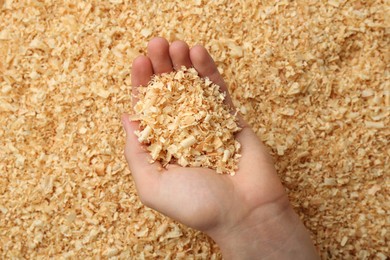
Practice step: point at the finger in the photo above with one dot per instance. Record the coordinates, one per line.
(141, 73)
(180, 55)
(146, 175)
(251, 144)
(205, 65)
(255, 159)
(158, 52)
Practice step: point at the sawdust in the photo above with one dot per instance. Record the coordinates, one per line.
(311, 78)
(184, 121)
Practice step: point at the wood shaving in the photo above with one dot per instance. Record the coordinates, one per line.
(184, 120)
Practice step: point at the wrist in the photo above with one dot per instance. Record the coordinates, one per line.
(273, 231)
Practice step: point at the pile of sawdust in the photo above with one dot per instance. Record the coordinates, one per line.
(184, 120)
(311, 78)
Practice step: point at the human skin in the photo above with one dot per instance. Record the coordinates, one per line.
(248, 215)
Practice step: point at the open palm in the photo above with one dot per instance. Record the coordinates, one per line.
(199, 197)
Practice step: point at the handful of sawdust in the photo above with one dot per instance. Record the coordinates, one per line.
(184, 120)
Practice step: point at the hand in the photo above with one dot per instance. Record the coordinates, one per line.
(225, 207)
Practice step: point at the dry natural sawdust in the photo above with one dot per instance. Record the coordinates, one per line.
(184, 120)
(311, 77)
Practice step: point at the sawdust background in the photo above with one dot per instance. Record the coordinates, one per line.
(312, 78)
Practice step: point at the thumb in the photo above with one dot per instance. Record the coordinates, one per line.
(250, 142)
(253, 151)
(146, 175)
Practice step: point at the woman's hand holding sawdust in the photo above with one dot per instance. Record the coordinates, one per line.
(248, 214)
